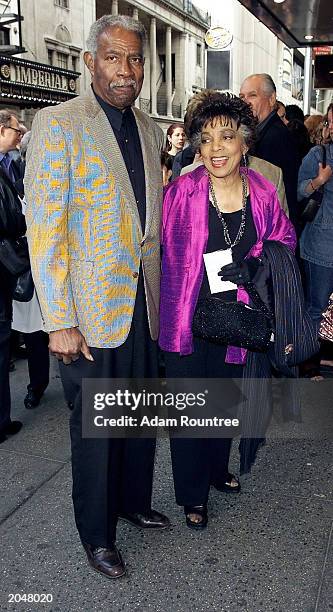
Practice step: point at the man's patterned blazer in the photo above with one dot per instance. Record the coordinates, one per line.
(84, 232)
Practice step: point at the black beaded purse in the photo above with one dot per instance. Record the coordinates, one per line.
(234, 323)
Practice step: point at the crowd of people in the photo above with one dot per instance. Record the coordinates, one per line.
(121, 223)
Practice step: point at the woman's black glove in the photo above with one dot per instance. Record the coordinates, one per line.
(240, 272)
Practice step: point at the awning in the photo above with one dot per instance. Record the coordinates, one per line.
(292, 20)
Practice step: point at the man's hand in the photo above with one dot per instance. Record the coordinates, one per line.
(67, 344)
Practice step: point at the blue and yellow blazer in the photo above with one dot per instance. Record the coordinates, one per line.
(84, 232)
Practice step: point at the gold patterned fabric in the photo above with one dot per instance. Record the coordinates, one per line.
(84, 232)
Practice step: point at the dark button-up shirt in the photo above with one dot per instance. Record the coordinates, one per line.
(126, 132)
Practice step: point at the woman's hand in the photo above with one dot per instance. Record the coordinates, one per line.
(324, 174)
(240, 272)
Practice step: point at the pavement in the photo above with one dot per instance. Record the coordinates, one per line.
(268, 549)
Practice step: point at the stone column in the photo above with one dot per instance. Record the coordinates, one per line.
(184, 64)
(153, 77)
(168, 71)
(114, 10)
(135, 14)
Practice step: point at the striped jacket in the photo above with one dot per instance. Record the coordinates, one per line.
(84, 232)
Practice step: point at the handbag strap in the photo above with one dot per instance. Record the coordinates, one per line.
(257, 301)
(324, 155)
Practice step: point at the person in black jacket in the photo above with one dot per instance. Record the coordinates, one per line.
(274, 142)
(12, 226)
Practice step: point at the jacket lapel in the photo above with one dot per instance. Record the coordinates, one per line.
(148, 145)
(98, 125)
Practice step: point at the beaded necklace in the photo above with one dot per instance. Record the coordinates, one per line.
(220, 214)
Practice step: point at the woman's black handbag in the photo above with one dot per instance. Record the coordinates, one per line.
(234, 323)
(313, 203)
(24, 287)
(14, 256)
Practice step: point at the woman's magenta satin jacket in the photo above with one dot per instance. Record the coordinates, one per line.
(184, 239)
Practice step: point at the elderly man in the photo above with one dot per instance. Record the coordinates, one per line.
(94, 192)
(274, 141)
(12, 226)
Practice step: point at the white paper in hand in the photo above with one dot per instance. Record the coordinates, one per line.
(214, 262)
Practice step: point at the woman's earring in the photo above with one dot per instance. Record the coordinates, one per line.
(244, 160)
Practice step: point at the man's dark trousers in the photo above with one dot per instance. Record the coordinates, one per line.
(4, 374)
(111, 476)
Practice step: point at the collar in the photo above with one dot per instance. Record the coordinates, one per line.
(114, 115)
(263, 123)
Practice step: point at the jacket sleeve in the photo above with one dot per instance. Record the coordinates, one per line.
(308, 170)
(282, 193)
(12, 221)
(47, 185)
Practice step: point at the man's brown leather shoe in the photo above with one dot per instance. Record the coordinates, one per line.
(150, 520)
(106, 561)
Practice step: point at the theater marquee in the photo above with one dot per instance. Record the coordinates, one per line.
(28, 83)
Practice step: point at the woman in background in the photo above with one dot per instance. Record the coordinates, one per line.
(175, 139)
(317, 237)
(313, 125)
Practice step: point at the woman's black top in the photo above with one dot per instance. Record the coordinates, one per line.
(217, 242)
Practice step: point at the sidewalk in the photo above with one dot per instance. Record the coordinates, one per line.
(268, 549)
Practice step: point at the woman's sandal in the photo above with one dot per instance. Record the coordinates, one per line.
(227, 486)
(200, 512)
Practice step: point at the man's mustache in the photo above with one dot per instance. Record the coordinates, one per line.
(123, 83)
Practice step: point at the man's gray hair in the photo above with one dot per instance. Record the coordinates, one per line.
(6, 116)
(268, 85)
(114, 21)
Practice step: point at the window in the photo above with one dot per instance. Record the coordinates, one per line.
(50, 56)
(4, 37)
(198, 55)
(287, 68)
(62, 3)
(74, 63)
(62, 60)
(297, 79)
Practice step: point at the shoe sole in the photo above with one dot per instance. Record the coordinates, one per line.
(196, 526)
(125, 520)
(107, 575)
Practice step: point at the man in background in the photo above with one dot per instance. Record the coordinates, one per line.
(274, 142)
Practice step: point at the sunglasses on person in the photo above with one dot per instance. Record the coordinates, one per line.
(9, 127)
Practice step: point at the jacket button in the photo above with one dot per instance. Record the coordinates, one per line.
(135, 274)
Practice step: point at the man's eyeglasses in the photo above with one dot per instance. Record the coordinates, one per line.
(9, 127)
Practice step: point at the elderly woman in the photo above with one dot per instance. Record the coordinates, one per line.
(218, 206)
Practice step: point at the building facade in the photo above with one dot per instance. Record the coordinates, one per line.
(255, 48)
(50, 68)
(47, 70)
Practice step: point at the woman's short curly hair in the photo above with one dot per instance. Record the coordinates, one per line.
(209, 104)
